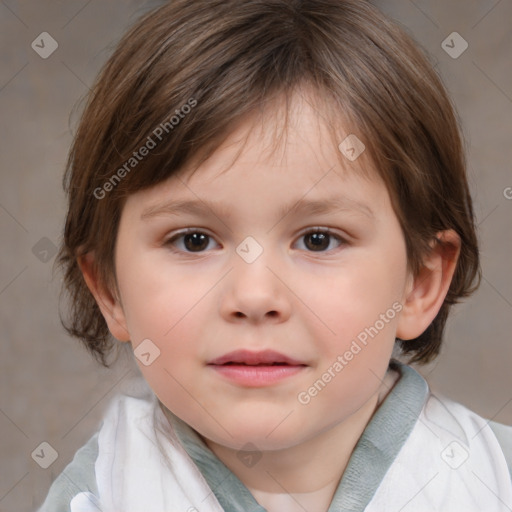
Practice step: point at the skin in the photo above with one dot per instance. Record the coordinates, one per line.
(307, 304)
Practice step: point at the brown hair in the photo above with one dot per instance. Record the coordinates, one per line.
(225, 58)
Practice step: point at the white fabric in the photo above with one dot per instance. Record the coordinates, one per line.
(131, 472)
(85, 502)
(431, 472)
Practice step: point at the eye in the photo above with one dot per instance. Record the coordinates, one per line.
(319, 239)
(195, 241)
(192, 241)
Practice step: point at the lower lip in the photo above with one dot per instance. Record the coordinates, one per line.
(257, 376)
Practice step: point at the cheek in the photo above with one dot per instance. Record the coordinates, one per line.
(362, 308)
(156, 296)
(171, 323)
(345, 303)
(162, 307)
(355, 338)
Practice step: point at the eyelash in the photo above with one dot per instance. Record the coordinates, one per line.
(325, 231)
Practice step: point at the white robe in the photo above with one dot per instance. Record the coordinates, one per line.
(450, 462)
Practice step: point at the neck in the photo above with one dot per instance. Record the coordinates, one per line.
(304, 477)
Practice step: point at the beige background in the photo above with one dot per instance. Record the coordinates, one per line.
(50, 389)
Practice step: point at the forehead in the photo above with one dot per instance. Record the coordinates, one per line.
(302, 129)
(288, 151)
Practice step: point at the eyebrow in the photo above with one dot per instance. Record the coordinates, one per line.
(305, 206)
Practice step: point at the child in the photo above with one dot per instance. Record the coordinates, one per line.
(266, 198)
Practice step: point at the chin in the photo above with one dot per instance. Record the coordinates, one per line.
(252, 441)
(264, 433)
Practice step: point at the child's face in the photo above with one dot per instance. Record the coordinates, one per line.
(306, 297)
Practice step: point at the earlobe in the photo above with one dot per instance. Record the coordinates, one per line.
(428, 289)
(109, 305)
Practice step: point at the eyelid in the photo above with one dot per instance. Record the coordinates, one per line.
(320, 229)
(343, 236)
(187, 231)
(313, 229)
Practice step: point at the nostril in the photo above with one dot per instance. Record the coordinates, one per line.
(272, 313)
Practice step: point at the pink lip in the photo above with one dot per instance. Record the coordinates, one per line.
(256, 369)
(252, 358)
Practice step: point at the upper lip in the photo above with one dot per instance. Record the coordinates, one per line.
(254, 358)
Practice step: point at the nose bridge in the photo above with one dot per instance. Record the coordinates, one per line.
(252, 265)
(254, 289)
(250, 250)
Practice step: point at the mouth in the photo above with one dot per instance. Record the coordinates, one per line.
(256, 369)
(248, 358)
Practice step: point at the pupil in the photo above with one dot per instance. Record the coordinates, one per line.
(319, 240)
(198, 241)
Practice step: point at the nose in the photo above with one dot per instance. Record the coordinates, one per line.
(255, 292)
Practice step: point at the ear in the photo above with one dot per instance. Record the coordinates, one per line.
(426, 291)
(110, 306)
